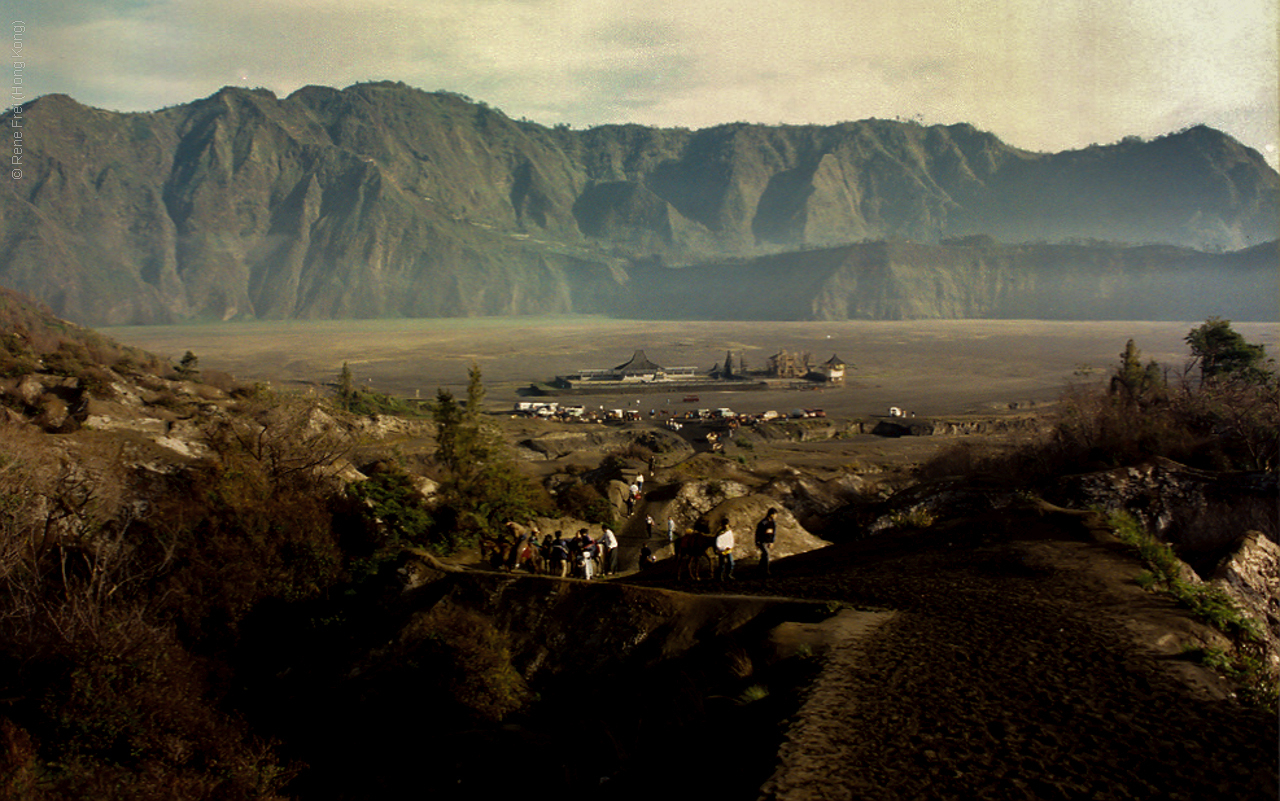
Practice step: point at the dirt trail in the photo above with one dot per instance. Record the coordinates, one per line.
(808, 762)
(1022, 661)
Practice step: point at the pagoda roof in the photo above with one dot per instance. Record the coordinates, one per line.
(639, 364)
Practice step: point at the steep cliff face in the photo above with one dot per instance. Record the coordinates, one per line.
(381, 200)
(903, 281)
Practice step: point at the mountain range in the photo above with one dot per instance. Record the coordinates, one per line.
(380, 200)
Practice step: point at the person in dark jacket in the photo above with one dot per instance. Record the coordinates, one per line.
(766, 534)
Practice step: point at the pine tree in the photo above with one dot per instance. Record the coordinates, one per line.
(483, 488)
(346, 388)
(189, 366)
(1222, 352)
(1133, 382)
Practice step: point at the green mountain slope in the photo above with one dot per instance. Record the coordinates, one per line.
(382, 200)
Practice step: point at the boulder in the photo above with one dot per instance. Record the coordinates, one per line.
(1250, 574)
(744, 512)
(28, 390)
(806, 497)
(53, 416)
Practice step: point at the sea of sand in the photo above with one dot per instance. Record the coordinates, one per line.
(929, 367)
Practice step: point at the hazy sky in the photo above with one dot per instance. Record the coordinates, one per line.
(1040, 74)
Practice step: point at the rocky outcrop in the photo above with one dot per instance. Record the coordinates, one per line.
(667, 448)
(810, 500)
(1250, 574)
(1202, 514)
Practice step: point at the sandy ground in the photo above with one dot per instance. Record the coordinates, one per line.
(1008, 657)
(931, 367)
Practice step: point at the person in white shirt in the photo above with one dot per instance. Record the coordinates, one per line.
(609, 542)
(724, 552)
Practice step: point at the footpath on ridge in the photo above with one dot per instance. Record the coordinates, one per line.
(1012, 656)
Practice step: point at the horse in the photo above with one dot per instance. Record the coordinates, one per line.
(526, 556)
(522, 551)
(696, 554)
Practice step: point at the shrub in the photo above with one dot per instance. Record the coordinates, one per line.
(917, 517)
(455, 663)
(15, 365)
(108, 702)
(97, 382)
(393, 512)
(1225, 424)
(585, 502)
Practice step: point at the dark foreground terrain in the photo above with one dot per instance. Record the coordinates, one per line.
(211, 590)
(1004, 655)
(1020, 660)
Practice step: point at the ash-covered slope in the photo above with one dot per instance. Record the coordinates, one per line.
(382, 200)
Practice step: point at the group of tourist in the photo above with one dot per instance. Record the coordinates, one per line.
(581, 556)
(586, 557)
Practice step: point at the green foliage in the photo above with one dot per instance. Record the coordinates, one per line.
(351, 398)
(1207, 602)
(917, 517)
(583, 501)
(454, 663)
(346, 394)
(189, 366)
(393, 512)
(365, 402)
(1247, 669)
(1222, 352)
(1134, 384)
(1212, 605)
(482, 488)
(753, 693)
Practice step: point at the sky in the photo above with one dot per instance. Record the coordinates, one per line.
(1044, 75)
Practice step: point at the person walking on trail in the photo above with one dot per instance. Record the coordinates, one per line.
(647, 558)
(724, 552)
(590, 552)
(609, 543)
(648, 525)
(558, 564)
(671, 529)
(766, 534)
